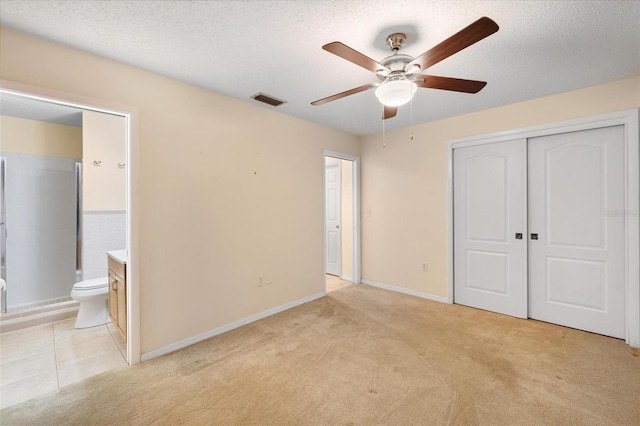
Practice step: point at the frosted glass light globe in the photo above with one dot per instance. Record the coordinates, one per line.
(396, 92)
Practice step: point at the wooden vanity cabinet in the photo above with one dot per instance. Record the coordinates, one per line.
(118, 295)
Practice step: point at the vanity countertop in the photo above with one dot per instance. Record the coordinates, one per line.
(118, 255)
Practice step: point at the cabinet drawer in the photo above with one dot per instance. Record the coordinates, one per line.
(116, 267)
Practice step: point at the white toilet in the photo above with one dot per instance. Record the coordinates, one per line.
(92, 295)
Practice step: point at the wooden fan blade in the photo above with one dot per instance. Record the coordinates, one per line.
(475, 32)
(345, 52)
(343, 94)
(448, 83)
(389, 112)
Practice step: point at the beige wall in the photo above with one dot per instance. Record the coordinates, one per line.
(212, 190)
(22, 136)
(346, 204)
(104, 187)
(404, 184)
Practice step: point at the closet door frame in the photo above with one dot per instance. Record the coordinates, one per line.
(630, 120)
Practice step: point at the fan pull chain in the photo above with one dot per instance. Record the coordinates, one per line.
(412, 118)
(384, 141)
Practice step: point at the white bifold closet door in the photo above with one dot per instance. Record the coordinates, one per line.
(576, 266)
(490, 209)
(569, 267)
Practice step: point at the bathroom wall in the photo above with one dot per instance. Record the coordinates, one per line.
(101, 232)
(104, 139)
(22, 136)
(211, 190)
(103, 190)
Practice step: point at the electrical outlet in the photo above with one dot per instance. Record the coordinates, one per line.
(261, 281)
(425, 267)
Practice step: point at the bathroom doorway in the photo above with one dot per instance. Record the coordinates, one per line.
(342, 225)
(63, 202)
(104, 224)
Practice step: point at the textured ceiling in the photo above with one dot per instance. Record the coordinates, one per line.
(240, 48)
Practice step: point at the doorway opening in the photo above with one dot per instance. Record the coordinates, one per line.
(341, 227)
(93, 222)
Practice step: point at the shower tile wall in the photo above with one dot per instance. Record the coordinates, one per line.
(102, 231)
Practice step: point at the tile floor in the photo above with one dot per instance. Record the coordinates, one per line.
(44, 358)
(334, 283)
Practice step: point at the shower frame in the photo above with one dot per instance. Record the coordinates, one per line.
(3, 235)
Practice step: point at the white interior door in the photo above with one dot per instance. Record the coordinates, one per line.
(489, 210)
(576, 184)
(333, 216)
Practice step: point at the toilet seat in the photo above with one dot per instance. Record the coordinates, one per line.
(93, 284)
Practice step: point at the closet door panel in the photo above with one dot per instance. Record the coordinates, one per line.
(489, 210)
(576, 264)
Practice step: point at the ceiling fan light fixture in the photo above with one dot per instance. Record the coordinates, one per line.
(396, 92)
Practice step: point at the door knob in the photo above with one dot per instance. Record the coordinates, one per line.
(337, 226)
(534, 236)
(518, 236)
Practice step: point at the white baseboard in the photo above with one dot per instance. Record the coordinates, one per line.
(195, 339)
(346, 278)
(406, 291)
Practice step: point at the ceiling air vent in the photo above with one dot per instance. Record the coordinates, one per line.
(269, 100)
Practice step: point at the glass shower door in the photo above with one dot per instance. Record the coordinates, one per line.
(3, 248)
(41, 228)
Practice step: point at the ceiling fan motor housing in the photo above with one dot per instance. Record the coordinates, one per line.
(396, 41)
(396, 63)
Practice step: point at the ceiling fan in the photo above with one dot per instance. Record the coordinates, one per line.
(400, 75)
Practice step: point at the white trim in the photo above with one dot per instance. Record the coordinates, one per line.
(356, 268)
(131, 116)
(632, 225)
(217, 331)
(450, 248)
(630, 120)
(584, 123)
(406, 291)
(346, 278)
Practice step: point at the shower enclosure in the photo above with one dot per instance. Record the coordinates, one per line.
(40, 235)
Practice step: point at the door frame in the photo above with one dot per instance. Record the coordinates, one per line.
(355, 173)
(629, 119)
(133, 212)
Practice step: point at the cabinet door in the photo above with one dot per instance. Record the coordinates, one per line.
(113, 298)
(122, 306)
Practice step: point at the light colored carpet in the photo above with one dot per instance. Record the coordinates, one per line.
(365, 356)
